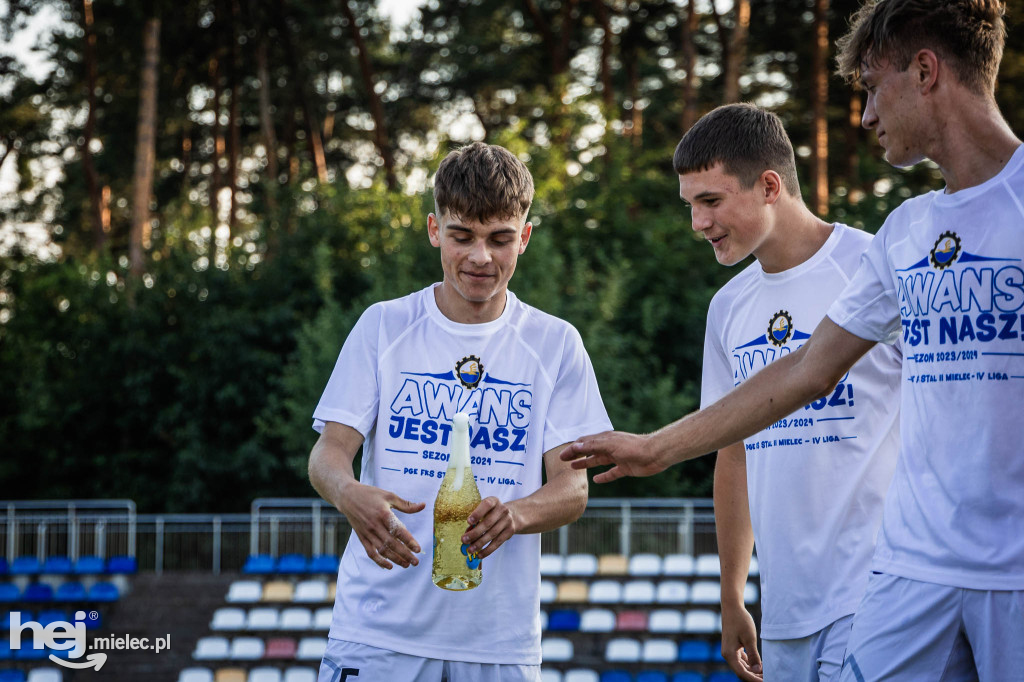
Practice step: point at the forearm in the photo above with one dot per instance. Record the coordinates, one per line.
(558, 502)
(732, 523)
(330, 464)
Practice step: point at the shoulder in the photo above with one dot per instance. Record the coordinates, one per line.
(394, 316)
(744, 279)
(534, 325)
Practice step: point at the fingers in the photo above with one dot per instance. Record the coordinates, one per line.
(491, 524)
(586, 446)
(612, 474)
(405, 506)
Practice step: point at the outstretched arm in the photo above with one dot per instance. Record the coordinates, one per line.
(777, 390)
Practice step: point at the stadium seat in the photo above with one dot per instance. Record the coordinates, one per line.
(659, 651)
(678, 565)
(5, 622)
(26, 565)
(322, 618)
(665, 620)
(622, 650)
(12, 675)
(296, 618)
(37, 592)
(708, 565)
(292, 564)
(581, 675)
(645, 565)
(310, 592)
(616, 676)
(5, 649)
(70, 591)
(103, 592)
(687, 676)
(638, 592)
(612, 564)
(4, 566)
(311, 649)
(278, 591)
(597, 620)
(652, 676)
(51, 616)
(28, 652)
(228, 618)
(44, 675)
(555, 649)
(230, 675)
(324, 563)
(631, 621)
(281, 649)
(580, 565)
(259, 564)
(9, 592)
(93, 619)
(572, 591)
(246, 649)
(750, 593)
(195, 675)
(90, 565)
(694, 651)
(551, 564)
(548, 592)
(549, 675)
(244, 592)
(564, 620)
(705, 592)
(672, 592)
(211, 649)
(297, 674)
(701, 621)
(122, 565)
(264, 674)
(57, 565)
(723, 676)
(605, 592)
(755, 568)
(263, 618)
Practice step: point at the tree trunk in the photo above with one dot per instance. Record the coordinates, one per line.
(266, 118)
(217, 177)
(689, 29)
(819, 106)
(737, 52)
(145, 148)
(233, 136)
(607, 93)
(312, 126)
(380, 134)
(100, 230)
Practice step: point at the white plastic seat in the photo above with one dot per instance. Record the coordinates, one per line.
(246, 649)
(551, 564)
(678, 564)
(605, 592)
(263, 618)
(705, 592)
(580, 565)
(244, 592)
(44, 675)
(228, 618)
(297, 674)
(659, 651)
(638, 592)
(754, 569)
(310, 592)
(708, 565)
(195, 675)
(644, 564)
(581, 675)
(622, 650)
(665, 620)
(549, 675)
(296, 618)
(701, 621)
(672, 592)
(264, 674)
(751, 593)
(311, 649)
(548, 591)
(597, 620)
(555, 649)
(211, 649)
(322, 618)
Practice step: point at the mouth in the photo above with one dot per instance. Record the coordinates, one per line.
(477, 276)
(716, 241)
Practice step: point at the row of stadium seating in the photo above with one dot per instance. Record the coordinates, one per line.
(66, 592)
(261, 674)
(217, 648)
(277, 591)
(668, 621)
(629, 650)
(586, 675)
(268, 618)
(61, 565)
(607, 591)
(34, 675)
(301, 674)
(92, 618)
(291, 564)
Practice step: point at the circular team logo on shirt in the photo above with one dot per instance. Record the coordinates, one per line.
(469, 370)
(946, 250)
(780, 328)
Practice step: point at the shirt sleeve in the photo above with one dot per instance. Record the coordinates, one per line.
(868, 306)
(353, 393)
(576, 408)
(717, 374)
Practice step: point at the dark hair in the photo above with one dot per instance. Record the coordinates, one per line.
(482, 182)
(747, 140)
(968, 34)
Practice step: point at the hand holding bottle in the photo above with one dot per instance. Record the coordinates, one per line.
(490, 525)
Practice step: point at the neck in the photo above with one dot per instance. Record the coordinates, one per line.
(457, 309)
(796, 236)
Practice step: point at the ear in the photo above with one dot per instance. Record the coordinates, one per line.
(926, 70)
(771, 185)
(433, 231)
(524, 238)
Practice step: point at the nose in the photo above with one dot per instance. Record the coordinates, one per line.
(869, 119)
(700, 219)
(479, 254)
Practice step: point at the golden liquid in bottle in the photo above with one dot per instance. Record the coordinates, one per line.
(453, 568)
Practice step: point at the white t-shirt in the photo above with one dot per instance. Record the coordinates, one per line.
(816, 479)
(947, 270)
(403, 373)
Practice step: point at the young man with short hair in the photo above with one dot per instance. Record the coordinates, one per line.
(946, 271)
(809, 489)
(466, 344)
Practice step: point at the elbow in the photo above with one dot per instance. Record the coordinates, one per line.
(578, 499)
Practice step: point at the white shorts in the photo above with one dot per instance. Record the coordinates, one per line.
(908, 630)
(352, 662)
(815, 658)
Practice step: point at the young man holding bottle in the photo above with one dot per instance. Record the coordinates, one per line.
(466, 344)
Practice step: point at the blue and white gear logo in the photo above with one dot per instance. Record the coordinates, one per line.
(780, 328)
(945, 251)
(469, 371)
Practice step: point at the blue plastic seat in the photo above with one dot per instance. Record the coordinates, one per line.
(324, 563)
(25, 565)
(104, 591)
(688, 676)
(5, 649)
(259, 564)
(723, 677)
(4, 568)
(90, 565)
(71, 591)
(24, 616)
(652, 676)
(28, 652)
(616, 676)
(9, 592)
(12, 674)
(122, 565)
(564, 621)
(292, 563)
(694, 651)
(57, 565)
(53, 616)
(37, 592)
(93, 620)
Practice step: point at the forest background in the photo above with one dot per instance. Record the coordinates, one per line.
(205, 194)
